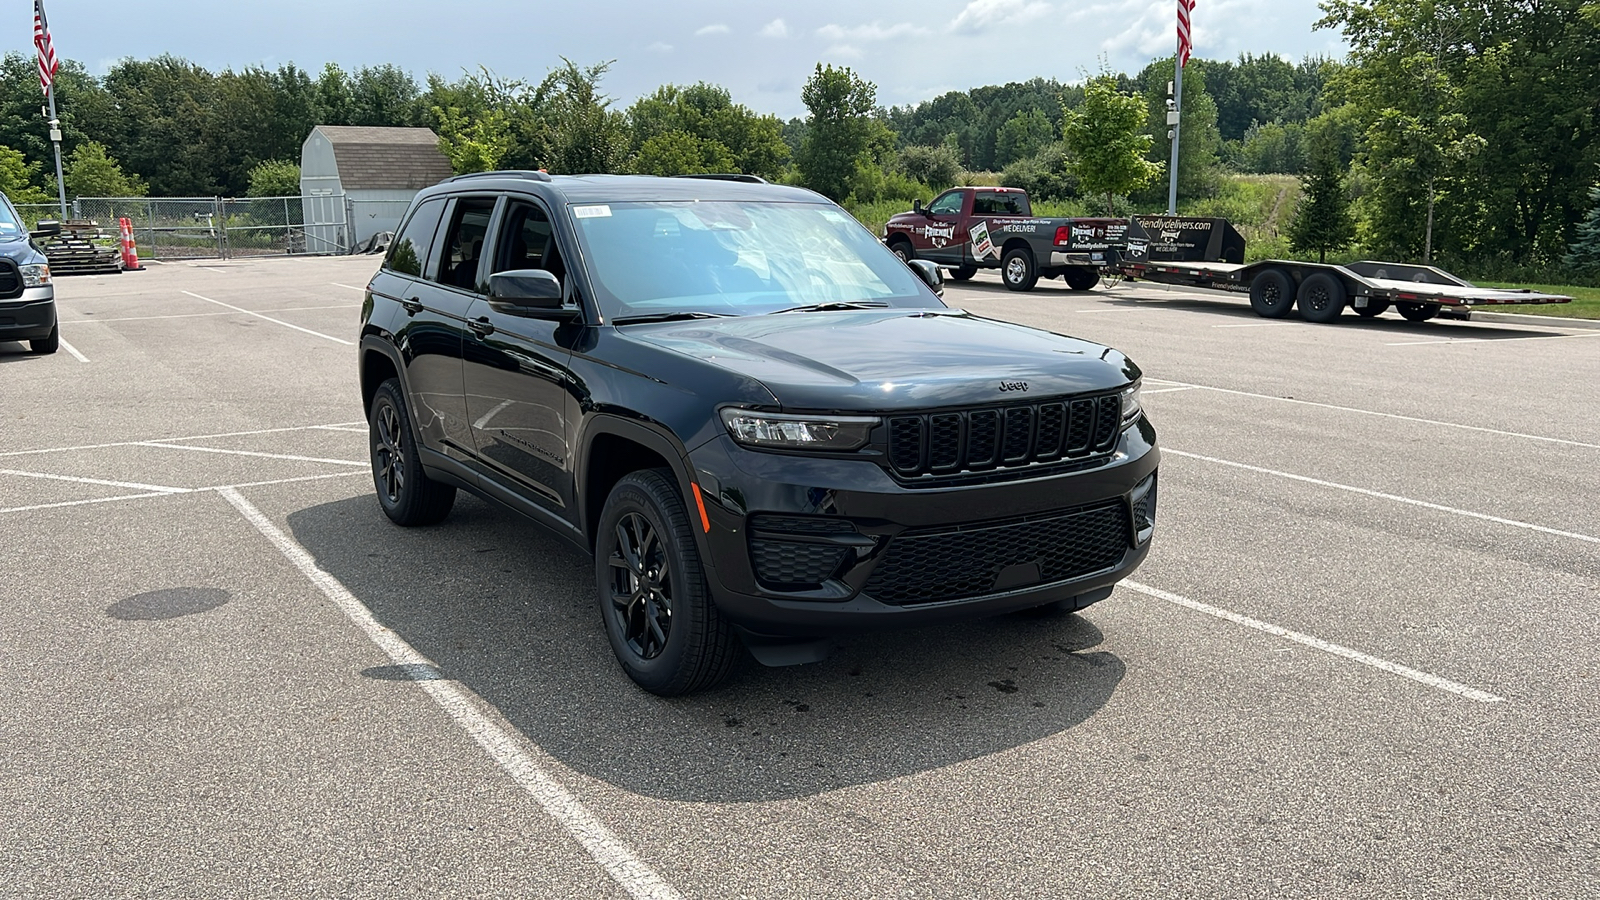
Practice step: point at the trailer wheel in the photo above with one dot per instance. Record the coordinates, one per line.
(1322, 298)
(1272, 293)
(1018, 270)
(963, 273)
(1417, 312)
(1080, 278)
(1373, 309)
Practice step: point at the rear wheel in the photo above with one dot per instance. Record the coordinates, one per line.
(1018, 270)
(1321, 298)
(1417, 312)
(665, 631)
(963, 273)
(1373, 309)
(1272, 293)
(1080, 278)
(408, 496)
(47, 345)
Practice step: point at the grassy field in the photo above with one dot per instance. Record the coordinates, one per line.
(1585, 300)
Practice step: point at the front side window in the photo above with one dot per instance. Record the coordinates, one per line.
(947, 205)
(527, 241)
(737, 258)
(462, 245)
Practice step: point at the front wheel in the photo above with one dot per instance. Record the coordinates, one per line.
(1018, 270)
(903, 250)
(1417, 312)
(1080, 278)
(1272, 293)
(665, 631)
(408, 496)
(47, 345)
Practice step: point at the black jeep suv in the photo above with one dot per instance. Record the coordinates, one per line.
(766, 427)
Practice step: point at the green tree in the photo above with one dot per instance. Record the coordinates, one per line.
(753, 144)
(1043, 175)
(586, 134)
(1584, 252)
(275, 178)
(1322, 221)
(937, 167)
(92, 172)
(1199, 174)
(681, 153)
(1024, 134)
(1106, 142)
(840, 134)
(1274, 149)
(19, 178)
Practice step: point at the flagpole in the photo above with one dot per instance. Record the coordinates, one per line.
(55, 138)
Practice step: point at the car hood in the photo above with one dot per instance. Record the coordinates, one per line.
(885, 360)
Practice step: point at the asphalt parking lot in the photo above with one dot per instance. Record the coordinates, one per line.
(1363, 659)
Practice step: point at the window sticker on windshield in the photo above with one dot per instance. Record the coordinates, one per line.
(599, 211)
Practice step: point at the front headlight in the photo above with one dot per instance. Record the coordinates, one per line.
(1131, 409)
(784, 432)
(35, 276)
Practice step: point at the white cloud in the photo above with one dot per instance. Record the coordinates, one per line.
(870, 32)
(718, 28)
(981, 15)
(659, 47)
(775, 29)
(842, 51)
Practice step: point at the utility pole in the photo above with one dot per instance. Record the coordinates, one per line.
(55, 138)
(1174, 117)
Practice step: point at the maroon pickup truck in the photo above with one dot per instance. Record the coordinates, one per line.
(970, 228)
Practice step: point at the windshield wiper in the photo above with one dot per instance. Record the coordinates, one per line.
(835, 304)
(668, 317)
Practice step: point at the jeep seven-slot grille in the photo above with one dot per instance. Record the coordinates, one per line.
(934, 565)
(975, 440)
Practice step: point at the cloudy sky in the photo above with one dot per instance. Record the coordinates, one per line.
(761, 51)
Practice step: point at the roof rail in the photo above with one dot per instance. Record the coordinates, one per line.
(528, 174)
(746, 179)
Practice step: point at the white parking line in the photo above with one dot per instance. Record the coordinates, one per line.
(90, 320)
(316, 459)
(71, 349)
(348, 286)
(1534, 337)
(348, 428)
(1252, 325)
(193, 437)
(121, 484)
(1392, 497)
(1433, 681)
(1163, 390)
(513, 753)
(175, 492)
(1370, 412)
(248, 312)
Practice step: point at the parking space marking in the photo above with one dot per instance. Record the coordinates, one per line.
(1382, 496)
(514, 755)
(1253, 325)
(174, 491)
(348, 286)
(349, 428)
(248, 312)
(37, 506)
(1433, 681)
(1163, 390)
(1531, 337)
(161, 488)
(288, 456)
(1371, 412)
(193, 437)
(71, 349)
(93, 319)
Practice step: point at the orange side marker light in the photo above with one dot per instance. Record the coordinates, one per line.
(705, 520)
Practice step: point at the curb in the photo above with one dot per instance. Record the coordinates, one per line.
(1549, 321)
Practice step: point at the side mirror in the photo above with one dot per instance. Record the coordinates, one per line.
(46, 228)
(916, 205)
(931, 275)
(534, 293)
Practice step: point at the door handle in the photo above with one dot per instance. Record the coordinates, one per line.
(481, 325)
(412, 305)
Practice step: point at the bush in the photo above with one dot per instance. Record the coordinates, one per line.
(274, 178)
(937, 167)
(1043, 175)
(873, 184)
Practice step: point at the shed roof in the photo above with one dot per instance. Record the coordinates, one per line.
(374, 158)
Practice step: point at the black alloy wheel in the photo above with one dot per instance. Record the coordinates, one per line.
(665, 630)
(1321, 298)
(408, 496)
(1272, 293)
(641, 586)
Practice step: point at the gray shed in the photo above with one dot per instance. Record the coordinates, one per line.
(357, 180)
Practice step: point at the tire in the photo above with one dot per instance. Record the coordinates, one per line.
(1018, 270)
(665, 631)
(1417, 312)
(1272, 293)
(408, 496)
(47, 345)
(903, 250)
(1321, 298)
(1374, 309)
(1080, 278)
(963, 273)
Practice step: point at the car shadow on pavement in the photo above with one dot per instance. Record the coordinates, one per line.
(16, 351)
(506, 609)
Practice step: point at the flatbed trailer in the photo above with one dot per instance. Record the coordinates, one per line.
(1321, 291)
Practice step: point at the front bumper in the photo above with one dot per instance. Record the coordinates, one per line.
(30, 317)
(793, 511)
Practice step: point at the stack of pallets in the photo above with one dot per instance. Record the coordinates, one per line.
(82, 248)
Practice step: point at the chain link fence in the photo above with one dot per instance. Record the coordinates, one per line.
(217, 227)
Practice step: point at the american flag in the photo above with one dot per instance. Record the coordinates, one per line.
(48, 64)
(1185, 43)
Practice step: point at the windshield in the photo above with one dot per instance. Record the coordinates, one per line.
(8, 221)
(737, 258)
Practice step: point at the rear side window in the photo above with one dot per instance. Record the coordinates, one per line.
(1000, 203)
(411, 247)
